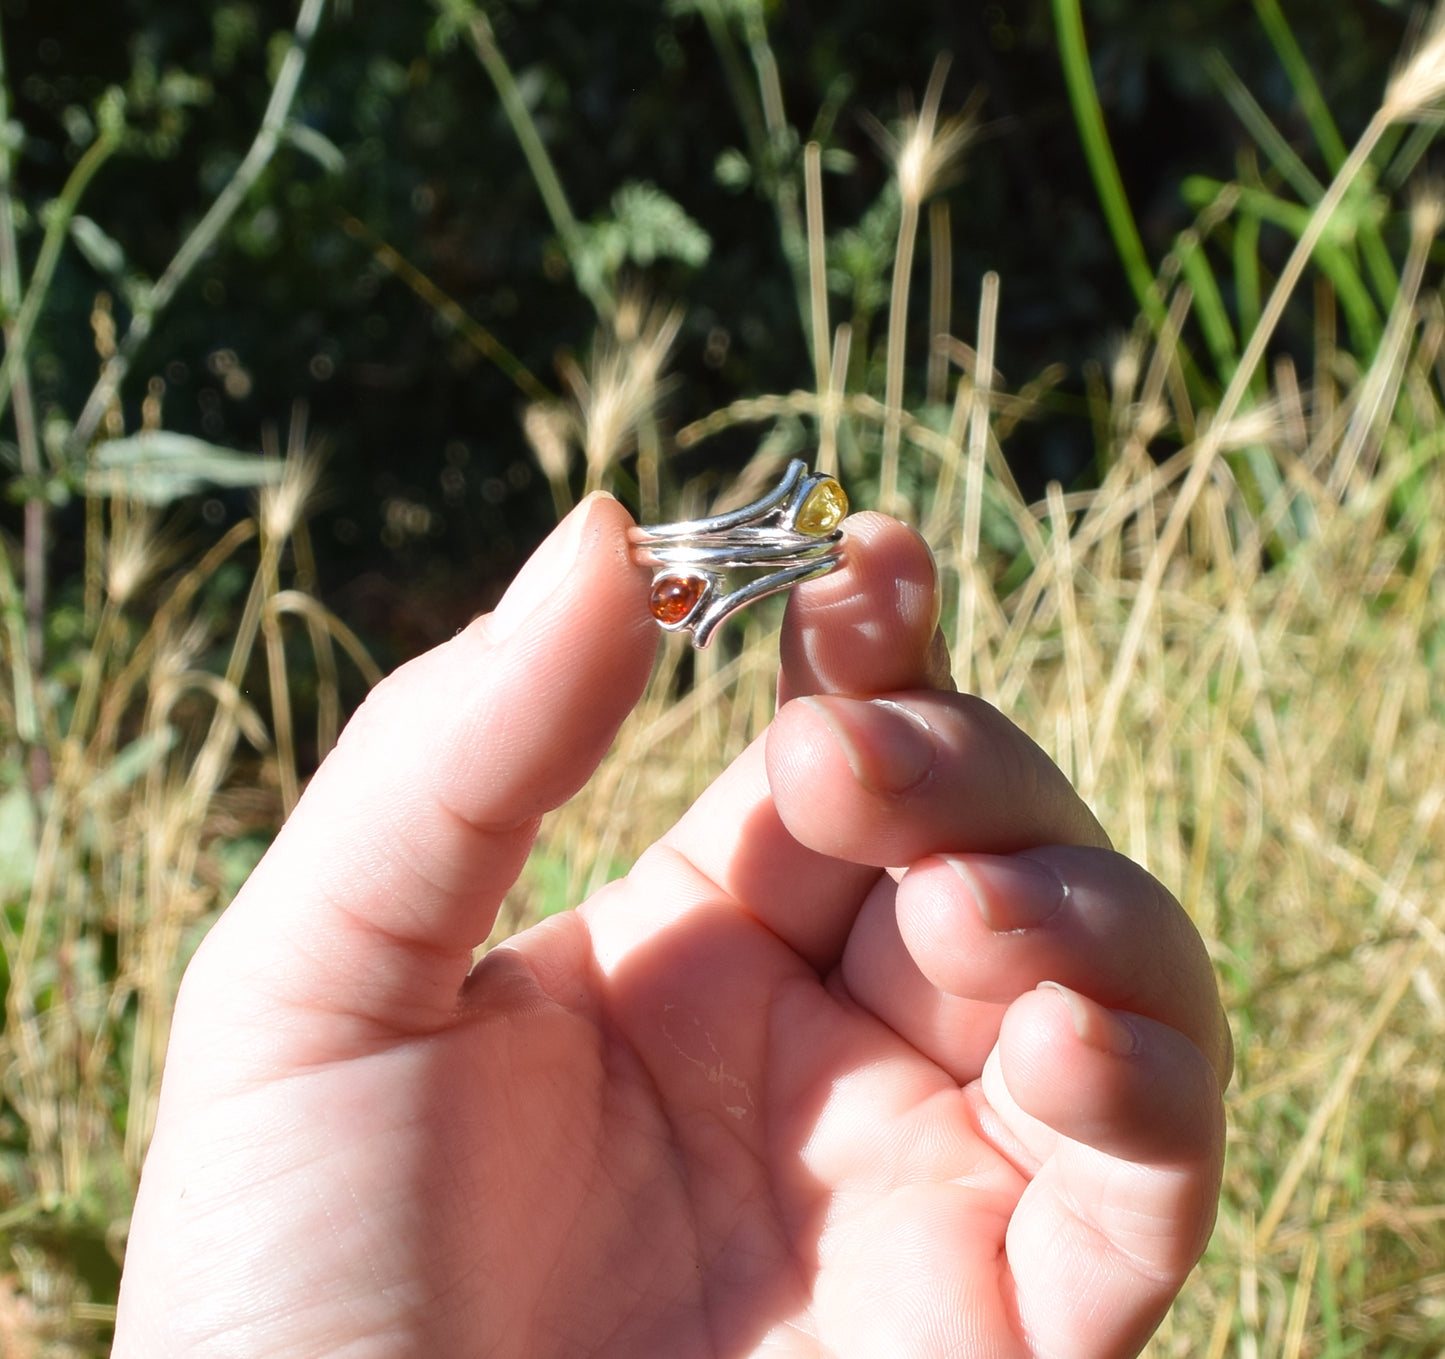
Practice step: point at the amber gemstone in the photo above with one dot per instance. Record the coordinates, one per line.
(824, 509)
(674, 597)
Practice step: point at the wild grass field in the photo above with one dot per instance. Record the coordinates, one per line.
(1233, 642)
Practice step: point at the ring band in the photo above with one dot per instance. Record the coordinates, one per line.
(792, 534)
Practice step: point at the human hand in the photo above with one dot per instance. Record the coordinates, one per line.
(758, 1097)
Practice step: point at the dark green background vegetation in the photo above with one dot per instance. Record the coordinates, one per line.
(295, 307)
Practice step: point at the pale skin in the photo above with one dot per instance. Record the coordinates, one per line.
(791, 1088)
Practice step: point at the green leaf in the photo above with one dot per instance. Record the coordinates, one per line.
(732, 170)
(158, 467)
(19, 839)
(645, 226)
(102, 251)
(320, 148)
(135, 759)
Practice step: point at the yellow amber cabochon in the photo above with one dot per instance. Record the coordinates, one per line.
(824, 509)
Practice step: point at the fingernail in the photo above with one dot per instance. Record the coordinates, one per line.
(1095, 1026)
(1011, 892)
(889, 747)
(543, 574)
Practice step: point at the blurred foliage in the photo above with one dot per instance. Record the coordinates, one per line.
(433, 495)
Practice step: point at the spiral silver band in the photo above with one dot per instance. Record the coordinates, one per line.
(789, 535)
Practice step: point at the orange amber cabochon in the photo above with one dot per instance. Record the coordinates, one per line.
(674, 597)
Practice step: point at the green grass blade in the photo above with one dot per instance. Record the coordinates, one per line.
(1407, 157)
(1296, 173)
(1378, 264)
(1209, 308)
(1257, 123)
(1089, 119)
(1302, 78)
(1246, 271)
(544, 173)
(1330, 255)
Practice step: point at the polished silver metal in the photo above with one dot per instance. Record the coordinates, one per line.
(761, 537)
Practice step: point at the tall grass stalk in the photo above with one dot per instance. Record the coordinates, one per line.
(971, 587)
(922, 154)
(478, 29)
(820, 333)
(1099, 152)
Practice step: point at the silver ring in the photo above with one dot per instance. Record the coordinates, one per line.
(792, 534)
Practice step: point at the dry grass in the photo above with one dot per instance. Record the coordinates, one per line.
(1250, 693)
(154, 783)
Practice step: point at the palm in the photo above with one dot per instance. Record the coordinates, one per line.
(677, 1181)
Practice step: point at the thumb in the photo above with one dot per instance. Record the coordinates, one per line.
(392, 867)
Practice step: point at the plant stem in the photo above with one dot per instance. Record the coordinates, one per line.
(1284, 158)
(29, 658)
(781, 140)
(970, 583)
(554, 197)
(914, 185)
(449, 309)
(208, 230)
(1089, 118)
(1306, 88)
(897, 343)
(940, 300)
(56, 228)
(766, 129)
(754, 126)
(817, 265)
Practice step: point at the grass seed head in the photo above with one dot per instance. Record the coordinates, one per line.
(548, 429)
(1427, 209)
(929, 155)
(1418, 86)
(1260, 425)
(286, 502)
(135, 551)
(925, 152)
(1124, 371)
(624, 386)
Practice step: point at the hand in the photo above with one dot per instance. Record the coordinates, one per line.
(759, 1097)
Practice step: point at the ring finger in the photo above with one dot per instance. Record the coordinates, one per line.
(941, 956)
